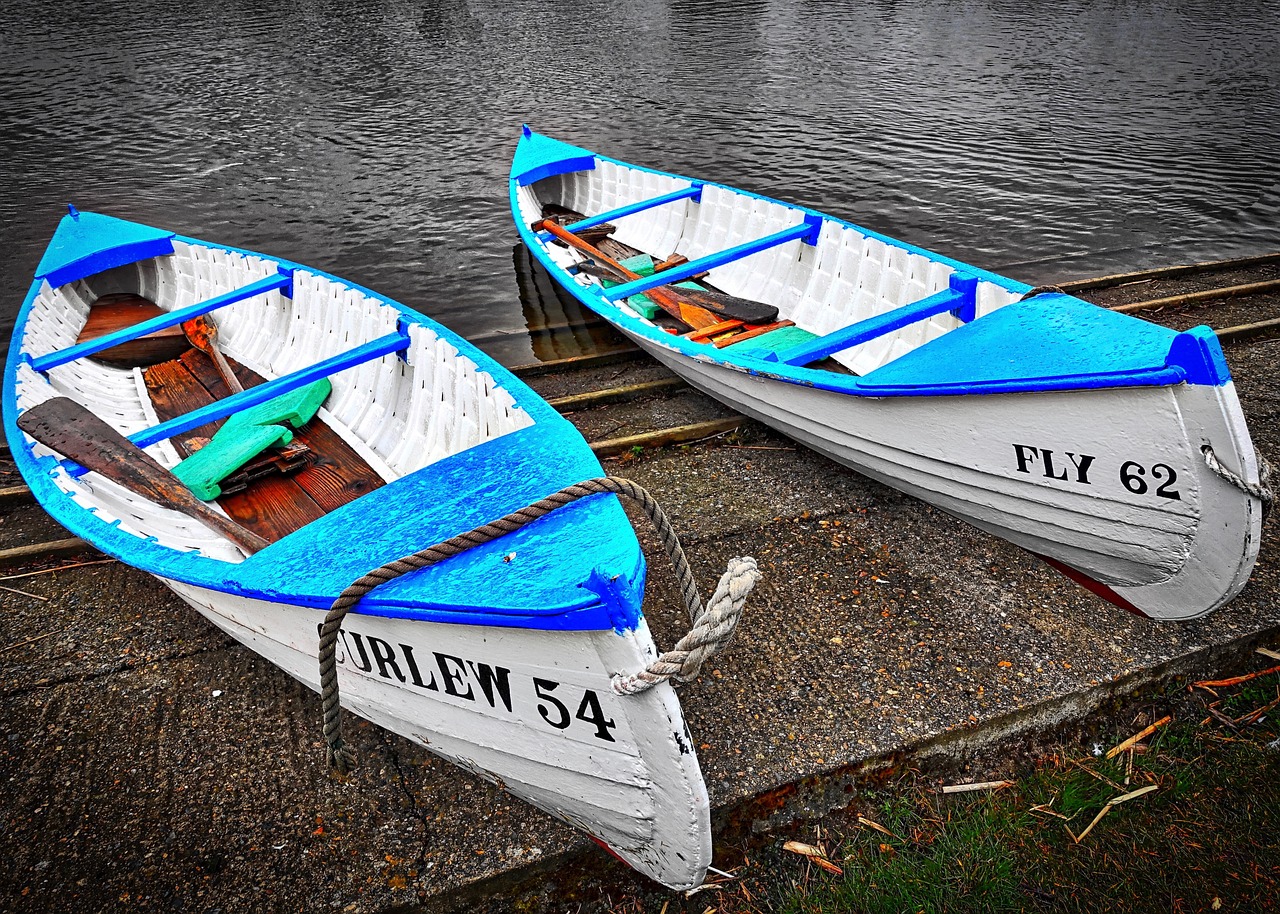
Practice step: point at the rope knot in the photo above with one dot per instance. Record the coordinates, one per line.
(1260, 490)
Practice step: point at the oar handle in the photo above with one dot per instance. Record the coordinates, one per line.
(224, 369)
(243, 537)
(202, 333)
(586, 247)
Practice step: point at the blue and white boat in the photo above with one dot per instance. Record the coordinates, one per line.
(499, 659)
(1113, 448)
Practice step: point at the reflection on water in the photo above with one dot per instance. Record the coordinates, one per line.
(556, 325)
(371, 137)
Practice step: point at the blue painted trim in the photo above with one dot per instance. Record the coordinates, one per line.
(692, 192)
(162, 321)
(87, 243)
(220, 409)
(1198, 352)
(962, 296)
(966, 286)
(594, 297)
(1005, 282)
(539, 157)
(806, 231)
(118, 256)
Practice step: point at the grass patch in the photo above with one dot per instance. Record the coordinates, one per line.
(1205, 839)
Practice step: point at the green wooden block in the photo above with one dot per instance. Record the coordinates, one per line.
(641, 265)
(247, 434)
(225, 454)
(774, 341)
(295, 407)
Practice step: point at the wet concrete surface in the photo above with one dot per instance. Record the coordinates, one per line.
(150, 763)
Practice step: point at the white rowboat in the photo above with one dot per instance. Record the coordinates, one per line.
(500, 659)
(1111, 447)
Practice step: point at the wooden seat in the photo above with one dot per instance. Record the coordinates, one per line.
(117, 311)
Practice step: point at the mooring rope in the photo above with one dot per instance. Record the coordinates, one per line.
(712, 631)
(1260, 490)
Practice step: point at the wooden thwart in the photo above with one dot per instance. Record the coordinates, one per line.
(165, 320)
(113, 313)
(267, 390)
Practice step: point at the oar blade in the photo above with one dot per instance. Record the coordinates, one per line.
(73, 431)
(202, 333)
(78, 434)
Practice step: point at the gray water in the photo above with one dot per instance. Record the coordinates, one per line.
(371, 138)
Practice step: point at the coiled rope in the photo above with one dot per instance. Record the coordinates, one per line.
(712, 631)
(1260, 490)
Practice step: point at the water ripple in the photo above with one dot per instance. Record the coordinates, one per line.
(371, 137)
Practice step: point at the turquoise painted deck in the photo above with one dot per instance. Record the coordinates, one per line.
(451, 497)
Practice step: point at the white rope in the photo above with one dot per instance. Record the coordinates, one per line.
(1259, 490)
(712, 632)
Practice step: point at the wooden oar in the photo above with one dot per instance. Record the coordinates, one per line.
(73, 431)
(671, 300)
(720, 303)
(202, 333)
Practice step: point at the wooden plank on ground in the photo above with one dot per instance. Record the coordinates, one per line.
(14, 496)
(679, 435)
(614, 394)
(596, 359)
(1119, 279)
(1190, 298)
(20, 555)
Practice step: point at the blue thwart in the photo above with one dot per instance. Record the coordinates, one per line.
(247, 434)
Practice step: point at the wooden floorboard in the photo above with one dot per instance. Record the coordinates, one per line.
(337, 474)
(273, 506)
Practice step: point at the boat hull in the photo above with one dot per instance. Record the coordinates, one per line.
(983, 459)
(530, 711)
(1085, 436)
(498, 659)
